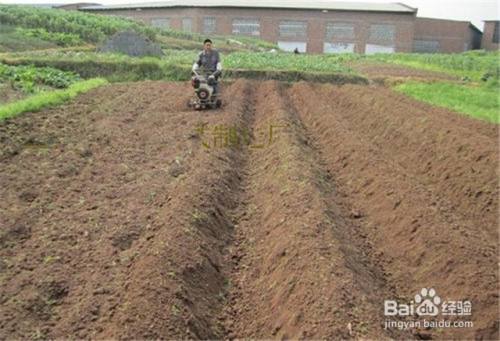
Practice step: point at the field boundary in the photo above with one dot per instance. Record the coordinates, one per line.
(48, 98)
(295, 76)
(141, 70)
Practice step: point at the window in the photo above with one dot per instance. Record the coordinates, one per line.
(290, 46)
(209, 25)
(293, 29)
(339, 31)
(496, 33)
(426, 46)
(373, 48)
(161, 22)
(187, 24)
(246, 26)
(338, 47)
(383, 34)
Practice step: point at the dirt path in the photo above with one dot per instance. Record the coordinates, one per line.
(125, 215)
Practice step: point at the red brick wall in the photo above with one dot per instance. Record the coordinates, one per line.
(452, 35)
(270, 18)
(487, 42)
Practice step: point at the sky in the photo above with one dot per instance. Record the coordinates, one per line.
(470, 10)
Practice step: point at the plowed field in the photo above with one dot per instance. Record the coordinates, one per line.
(295, 211)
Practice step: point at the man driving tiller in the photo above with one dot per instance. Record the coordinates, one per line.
(206, 70)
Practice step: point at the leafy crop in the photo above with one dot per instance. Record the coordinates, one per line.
(88, 27)
(61, 39)
(287, 61)
(30, 78)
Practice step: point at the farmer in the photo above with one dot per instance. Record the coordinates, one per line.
(209, 61)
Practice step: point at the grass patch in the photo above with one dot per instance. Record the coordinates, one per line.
(48, 98)
(472, 65)
(480, 102)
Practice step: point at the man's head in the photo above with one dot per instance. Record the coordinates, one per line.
(207, 45)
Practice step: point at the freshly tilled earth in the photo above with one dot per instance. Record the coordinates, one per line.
(292, 212)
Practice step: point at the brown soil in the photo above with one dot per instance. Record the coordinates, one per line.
(121, 219)
(8, 94)
(427, 191)
(392, 73)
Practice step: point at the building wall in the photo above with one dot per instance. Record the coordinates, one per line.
(489, 30)
(76, 6)
(476, 38)
(269, 19)
(449, 35)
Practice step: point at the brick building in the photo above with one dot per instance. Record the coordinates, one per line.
(491, 35)
(75, 6)
(317, 26)
(445, 36)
